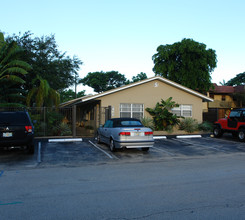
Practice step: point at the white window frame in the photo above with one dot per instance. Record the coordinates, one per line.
(131, 109)
(181, 109)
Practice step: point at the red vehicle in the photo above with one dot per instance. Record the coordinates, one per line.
(235, 124)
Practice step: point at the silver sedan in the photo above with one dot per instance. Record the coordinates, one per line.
(125, 133)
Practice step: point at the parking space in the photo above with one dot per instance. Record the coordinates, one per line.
(87, 152)
(71, 154)
(17, 158)
(227, 146)
(181, 147)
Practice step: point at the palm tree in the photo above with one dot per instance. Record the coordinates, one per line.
(162, 116)
(12, 74)
(223, 83)
(45, 95)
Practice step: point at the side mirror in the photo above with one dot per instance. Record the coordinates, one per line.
(34, 121)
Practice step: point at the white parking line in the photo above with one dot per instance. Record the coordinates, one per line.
(159, 137)
(199, 145)
(110, 156)
(159, 149)
(65, 140)
(39, 152)
(188, 136)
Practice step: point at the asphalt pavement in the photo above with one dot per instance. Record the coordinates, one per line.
(179, 178)
(81, 152)
(196, 188)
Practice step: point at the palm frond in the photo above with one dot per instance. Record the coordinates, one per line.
(18, 63)
(13, 78)
(30, 95)
(13, 70)
(54, 96)
(15, 105)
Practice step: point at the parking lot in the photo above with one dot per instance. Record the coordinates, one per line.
(87, 152)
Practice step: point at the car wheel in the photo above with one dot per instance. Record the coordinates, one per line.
(98, 139)
(112, 145)
(217, 132)
(241, 135)
(145, 149)
(30, 149)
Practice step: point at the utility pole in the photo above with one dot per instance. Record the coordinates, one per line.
(75, 86)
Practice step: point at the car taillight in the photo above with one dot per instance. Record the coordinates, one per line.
(148, 133)
(28, 129)
(124, 134)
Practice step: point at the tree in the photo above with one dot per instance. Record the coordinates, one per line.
(139, 77)
(104, 81)
(187, 62)
(42, 94)
(69, 94)
(163, 118)
(223, 83)
(238, 80)
(13, 72)
(47, 61)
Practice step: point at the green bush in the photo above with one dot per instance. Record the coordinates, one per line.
(189, 125)
(38, 127)
(148, 122)
(62, 129)
(205, 126)
(163, 118)
(49, 123)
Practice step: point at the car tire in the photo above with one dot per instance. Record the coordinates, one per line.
(217, 132)
(145, 149)
(98, 138)
(241, 135)
(112, 145)
(30, 149)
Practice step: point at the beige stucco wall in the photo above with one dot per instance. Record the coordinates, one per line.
(218, 103)
(149, 94)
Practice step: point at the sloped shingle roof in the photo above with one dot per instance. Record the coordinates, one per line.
(222, 89)
(169, 82)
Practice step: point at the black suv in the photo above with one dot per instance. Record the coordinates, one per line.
(16, 129)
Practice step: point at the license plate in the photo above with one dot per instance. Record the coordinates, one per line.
(138, 134)
(7, 134)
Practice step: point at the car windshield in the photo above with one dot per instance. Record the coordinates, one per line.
(9, 118)
(235, 114)
(128, 123)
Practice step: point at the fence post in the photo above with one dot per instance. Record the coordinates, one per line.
(44, 119)
(74, 116)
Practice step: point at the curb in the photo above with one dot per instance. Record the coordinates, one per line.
(182, 136)
(65, 140)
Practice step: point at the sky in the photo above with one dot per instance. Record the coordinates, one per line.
(123, 35)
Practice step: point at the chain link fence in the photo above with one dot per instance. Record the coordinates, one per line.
(49, 121)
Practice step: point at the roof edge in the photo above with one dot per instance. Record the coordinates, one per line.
(204, 97)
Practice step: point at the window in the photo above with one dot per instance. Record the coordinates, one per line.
(235, 114)
(183, 110)
(9, 118)
(108, 124)
(223, 98)
(131, 110)
(127, 123)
